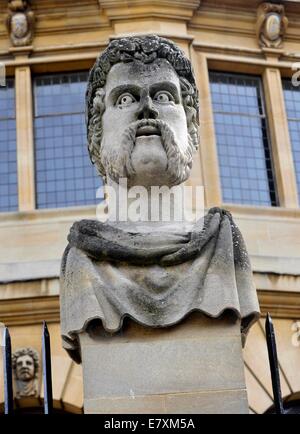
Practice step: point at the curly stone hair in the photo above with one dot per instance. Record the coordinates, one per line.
(26, 352)
(145, 49)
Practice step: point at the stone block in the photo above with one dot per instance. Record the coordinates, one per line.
(222, 402)
(188, 368)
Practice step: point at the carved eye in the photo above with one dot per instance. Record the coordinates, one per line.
(163, 97)
(125, 100)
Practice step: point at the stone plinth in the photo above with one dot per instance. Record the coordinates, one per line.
(193, 367)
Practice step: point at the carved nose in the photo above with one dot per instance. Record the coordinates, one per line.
(147, 109)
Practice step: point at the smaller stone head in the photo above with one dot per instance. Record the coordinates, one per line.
(19, 25)
(25, 363)
(20, 22)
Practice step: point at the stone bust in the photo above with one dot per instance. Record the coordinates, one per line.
(25, 364)
(142, 120)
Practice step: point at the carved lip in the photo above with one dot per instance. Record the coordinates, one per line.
(148, 130)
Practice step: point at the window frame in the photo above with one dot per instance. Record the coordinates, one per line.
(209, 175)
(9, 209)
(264, 118)
(63, 192)
(285, 78)
(204, 61)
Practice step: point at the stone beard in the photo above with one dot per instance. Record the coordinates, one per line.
(152, 143)
(142, 120)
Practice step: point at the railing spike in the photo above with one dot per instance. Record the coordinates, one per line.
(274, 367)
(7, 371)
(47, 377)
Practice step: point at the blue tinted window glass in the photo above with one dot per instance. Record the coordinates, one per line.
(242, 141)
(64, 174)
(8, 151)
(292, 103)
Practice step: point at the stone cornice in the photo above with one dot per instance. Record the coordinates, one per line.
(117, 10)
(280, 304)
(33, 310)
(29, 310)
(291, 6)
(237, 17)
(31, 302)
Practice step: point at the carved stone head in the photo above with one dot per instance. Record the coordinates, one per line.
(20, 22)
(25, 364)
(142, 112)
(271, 25)
(19, 25)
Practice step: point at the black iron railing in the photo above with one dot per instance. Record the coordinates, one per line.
(47, 380)
(47, 377)
(7, 370)
(46, 366)
(274, 367)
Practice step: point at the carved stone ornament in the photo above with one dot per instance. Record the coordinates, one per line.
(271, 25)
(20, 22)
(25, 364)
(142, 121)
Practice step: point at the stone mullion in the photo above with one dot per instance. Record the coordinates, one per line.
(208, 146)
(280, 139)
(25, 141)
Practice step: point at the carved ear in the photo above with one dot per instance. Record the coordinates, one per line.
(192, 124)
(189, 99)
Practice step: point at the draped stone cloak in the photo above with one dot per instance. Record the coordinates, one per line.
(156, 279)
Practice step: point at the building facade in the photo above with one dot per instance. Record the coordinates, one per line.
(245, 58)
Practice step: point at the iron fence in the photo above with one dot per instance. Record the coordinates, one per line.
(46, 368)
(47, 376)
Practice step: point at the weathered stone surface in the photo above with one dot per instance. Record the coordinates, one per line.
(199, 326)
(142, 121)
(219, 402)
(213, 263)
(150, 370)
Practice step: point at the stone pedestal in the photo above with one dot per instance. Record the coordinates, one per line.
(193, 367)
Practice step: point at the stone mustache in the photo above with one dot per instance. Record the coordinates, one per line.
(142, 120)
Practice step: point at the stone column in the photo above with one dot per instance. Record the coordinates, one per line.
(25, 144)
(193, 367)
(279, 129)
(208, 153)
